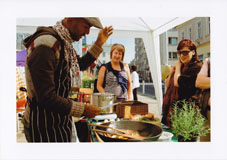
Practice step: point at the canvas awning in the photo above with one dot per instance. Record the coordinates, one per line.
(147, 28)
(21, 56)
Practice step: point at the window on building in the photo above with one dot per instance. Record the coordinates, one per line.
(190, 33)
(103, 61)
(170, 55)
(84, 41)
(201, 57)
(199, 30)
(208, 25)
(173, 40)
(104, 54)
(20, 38)
(182, 35)
(174, 55)
(19, 41)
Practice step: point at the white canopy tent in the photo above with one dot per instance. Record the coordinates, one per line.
(147, 28)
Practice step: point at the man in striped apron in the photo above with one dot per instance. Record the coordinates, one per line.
(52, 66)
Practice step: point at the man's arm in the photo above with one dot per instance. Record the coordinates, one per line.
(96, 49)
(91, 55)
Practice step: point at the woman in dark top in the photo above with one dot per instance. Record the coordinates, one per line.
(181, 81)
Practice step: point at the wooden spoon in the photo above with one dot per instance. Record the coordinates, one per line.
(118, 134)
(104, 126)
(97, 136)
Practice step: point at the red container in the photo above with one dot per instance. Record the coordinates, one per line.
(84, 97)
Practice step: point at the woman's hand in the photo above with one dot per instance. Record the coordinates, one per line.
(104, 35)
(172, 71)
(173, 68)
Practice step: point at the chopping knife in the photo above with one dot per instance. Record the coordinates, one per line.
(109, 105)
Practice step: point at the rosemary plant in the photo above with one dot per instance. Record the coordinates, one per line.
(187, 121)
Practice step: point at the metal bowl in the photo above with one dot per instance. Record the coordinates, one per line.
(150, 131)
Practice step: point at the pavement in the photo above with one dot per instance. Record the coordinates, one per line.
(152, 104)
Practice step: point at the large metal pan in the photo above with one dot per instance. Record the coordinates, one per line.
(150, 131)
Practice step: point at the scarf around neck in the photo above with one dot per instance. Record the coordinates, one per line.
(122, 81)
(69, 52)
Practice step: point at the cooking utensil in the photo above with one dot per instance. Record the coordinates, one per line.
(98, 138)
(109, 105)
(149, 131)
(118, 134)
(102, 99)
(104, 126)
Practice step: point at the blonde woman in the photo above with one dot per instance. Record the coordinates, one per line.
(114, 76)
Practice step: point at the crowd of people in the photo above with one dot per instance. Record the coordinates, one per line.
(53, 65)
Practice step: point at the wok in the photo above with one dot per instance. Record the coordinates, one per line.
(150, 131)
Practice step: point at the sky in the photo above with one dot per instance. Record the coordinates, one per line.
(129, 44)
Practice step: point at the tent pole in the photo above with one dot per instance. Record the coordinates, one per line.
(152, 48)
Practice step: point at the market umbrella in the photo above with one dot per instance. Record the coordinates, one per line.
(21, 56)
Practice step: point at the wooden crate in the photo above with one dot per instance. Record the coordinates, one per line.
(130, 107)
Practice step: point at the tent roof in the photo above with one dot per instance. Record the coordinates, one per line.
(129, 24)
(148, 28)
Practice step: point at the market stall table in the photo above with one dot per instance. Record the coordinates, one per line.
(93, 136)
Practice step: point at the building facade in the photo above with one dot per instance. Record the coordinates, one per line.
(168, 47)
(105, 55)
(141, 61)
(197, 30)
(23, 32)
(168, 53)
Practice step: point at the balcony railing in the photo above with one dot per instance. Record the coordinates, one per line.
(147, 88)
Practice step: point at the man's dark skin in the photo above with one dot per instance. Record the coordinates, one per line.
(78, 27)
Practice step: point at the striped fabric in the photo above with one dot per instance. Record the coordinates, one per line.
(19, 83)
(112, 85)
(49, 81)
(46, 125)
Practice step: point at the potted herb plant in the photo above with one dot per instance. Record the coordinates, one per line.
(187, 121)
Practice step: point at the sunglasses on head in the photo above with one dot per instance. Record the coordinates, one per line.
(117, 44)
(184, 52)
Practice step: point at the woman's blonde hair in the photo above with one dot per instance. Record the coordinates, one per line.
(118, 47)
